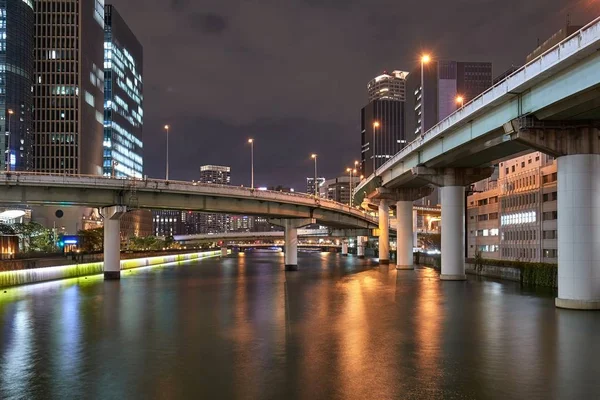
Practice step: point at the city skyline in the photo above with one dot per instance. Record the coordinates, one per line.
(203, 103)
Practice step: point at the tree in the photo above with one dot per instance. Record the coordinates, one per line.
(6, 229)
(33, 236)
(92, 239)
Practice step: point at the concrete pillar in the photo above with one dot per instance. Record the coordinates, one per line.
(415, 229)
(453, 234)
(291, 246)
(384, 232)
(404, 235)
(360, 247)
(112, 241)
(344, 248)
(578, 232)
(223, 251)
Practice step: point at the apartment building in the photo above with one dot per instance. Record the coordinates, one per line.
(514, 216)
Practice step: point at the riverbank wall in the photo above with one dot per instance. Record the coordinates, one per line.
(44, 274)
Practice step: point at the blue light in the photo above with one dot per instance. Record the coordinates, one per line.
(70, 241)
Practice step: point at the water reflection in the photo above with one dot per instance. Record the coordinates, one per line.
(341, 328)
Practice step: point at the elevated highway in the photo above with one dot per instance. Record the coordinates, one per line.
(552, 104)
(114, 197)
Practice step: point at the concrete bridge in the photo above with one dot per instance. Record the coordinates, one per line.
(114, 197)
(551, 105)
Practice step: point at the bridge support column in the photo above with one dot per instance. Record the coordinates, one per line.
(360, 246)
(112, 241)
(405, 229)
(344, 248)
(576, 145)
(404, 235)
(291, 239)
(384, 232)
(453, 234)
(578, 232)
(291, 246)
(224, 251)
(452, 182)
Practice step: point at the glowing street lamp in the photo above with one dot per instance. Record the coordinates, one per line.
(351, 172)
(425, 58)
(460, 100)
(167, 127)
(251, 141)
(376, 125)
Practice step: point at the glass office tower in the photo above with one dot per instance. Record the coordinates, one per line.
(123, 98)
(16, 80)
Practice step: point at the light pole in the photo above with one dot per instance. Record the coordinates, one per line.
(314, 157)
(167, 127)
(10, 113)
(461, 101)
(351, 171)
(114, 164)
(251, 141)
(376, 125)
(424, 60)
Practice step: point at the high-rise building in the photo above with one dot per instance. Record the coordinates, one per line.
(123, 98)
(16, 79)
(382, 120)
(443, 82)
(310, 185)
(388, 86)
(216, 175)
(338, 189)
(68, 86)
(68, 98)
(123, 112)
(167, 222)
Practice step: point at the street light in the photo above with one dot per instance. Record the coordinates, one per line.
(10, 113)
(114, 164)
(351, 171)
(251, 141)
(460, 100)
(314, 157)
(425, 58)
(376, 125)
(167, 127)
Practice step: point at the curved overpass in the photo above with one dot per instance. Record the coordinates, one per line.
(97, 191)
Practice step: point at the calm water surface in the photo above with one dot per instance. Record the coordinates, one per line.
(340, 328)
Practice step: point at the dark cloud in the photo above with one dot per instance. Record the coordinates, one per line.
(292, 74)
(179, 4)
(208, 23)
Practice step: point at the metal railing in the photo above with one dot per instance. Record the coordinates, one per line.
(174, 186)
(578, 41)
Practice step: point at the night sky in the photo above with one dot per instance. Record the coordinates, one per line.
(292, 74)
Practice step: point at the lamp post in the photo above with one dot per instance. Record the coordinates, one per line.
(251, 141)
(424, 60)
(460, 101)
(167, 127)
(351, 172)
(314, 157)
(114, 164)
(376, 125)
(10, 113)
